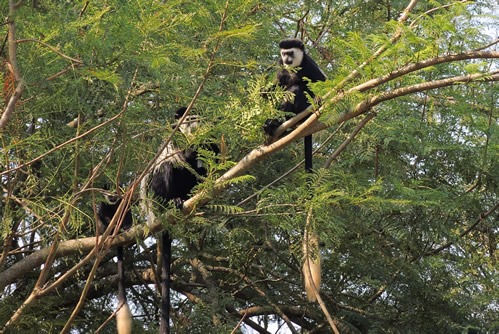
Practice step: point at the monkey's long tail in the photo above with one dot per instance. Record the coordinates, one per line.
(311, 257)
(311, 264)
(123, 313)
(164, 327)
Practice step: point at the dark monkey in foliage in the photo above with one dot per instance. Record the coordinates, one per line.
(296, 70)
(174, 174)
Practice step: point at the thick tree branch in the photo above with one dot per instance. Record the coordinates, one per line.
(65, 248)
(369, 103)
(422, 65)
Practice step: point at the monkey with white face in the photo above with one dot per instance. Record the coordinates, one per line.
(174, 175)
(297, 68)
(292, 57)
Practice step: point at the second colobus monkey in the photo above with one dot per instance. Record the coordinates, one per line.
(106, 212)
(174, 174)
(297, 68)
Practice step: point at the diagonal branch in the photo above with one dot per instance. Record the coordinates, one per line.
(422, 65)
(395, 37)
(11, 106)
(310, 126)
(54, 49)
(367, 104)
(466, 231)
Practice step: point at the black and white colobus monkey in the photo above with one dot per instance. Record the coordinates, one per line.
(174, 174)
(295, 65)
(297, 68)
(106, 212)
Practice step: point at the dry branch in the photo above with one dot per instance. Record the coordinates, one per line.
(15, 68)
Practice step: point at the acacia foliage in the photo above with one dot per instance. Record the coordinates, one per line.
(406, 211)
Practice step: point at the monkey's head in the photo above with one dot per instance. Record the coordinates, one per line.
(190, 123)
(111, 199)
(292, 51)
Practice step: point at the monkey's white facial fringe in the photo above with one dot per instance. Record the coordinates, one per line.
(124, 319)
(111, 199)
(292, 57)
(189, 124)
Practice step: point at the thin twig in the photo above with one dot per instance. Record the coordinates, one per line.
(53, 48)
(466, 231)
(347, 141)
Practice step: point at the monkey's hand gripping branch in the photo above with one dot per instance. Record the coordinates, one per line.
(292, 122)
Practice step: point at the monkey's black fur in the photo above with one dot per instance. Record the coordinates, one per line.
(294, 79)
(179, 172)
(174, 175)
(107, 210)
(294, 76)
